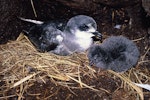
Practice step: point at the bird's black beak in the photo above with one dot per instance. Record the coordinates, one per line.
(97, 36)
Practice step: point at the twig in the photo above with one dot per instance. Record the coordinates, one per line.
(33, 8)
(138, 39)
(23, 80)
(145, 54)
(5, 97)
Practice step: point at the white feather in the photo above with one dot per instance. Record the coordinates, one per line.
(145, 86)
(31, 21)
(59, 38)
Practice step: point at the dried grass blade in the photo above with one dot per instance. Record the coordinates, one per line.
(23, 80)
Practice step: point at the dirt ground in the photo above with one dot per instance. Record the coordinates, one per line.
(106, 17)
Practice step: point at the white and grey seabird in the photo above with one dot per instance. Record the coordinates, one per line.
(115, 53)
(75, 37)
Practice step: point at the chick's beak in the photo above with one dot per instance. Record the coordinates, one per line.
(97, 35)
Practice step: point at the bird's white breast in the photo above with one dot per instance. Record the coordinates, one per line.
(84, 43)
(83, 39)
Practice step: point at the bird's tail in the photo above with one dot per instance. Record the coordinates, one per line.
(31, 20)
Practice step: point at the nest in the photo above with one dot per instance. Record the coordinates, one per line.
(21, 63)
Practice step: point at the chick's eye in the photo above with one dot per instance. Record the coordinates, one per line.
(83, 27)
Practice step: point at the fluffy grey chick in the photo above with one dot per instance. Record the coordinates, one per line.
(116, 53)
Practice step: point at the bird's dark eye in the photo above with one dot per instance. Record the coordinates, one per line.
(84, 27)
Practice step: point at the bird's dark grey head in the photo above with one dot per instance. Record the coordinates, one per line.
(82, 22)
(98, 56)
(82, 25)
(50, 38)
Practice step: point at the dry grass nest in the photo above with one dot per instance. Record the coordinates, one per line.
(21, 63)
